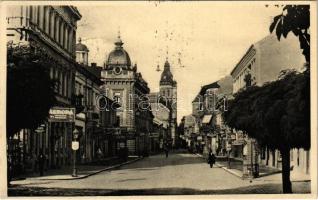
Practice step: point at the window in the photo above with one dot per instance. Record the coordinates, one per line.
(51, 23)
(66, 38)
(70, 38)
(31, 14)
(57, 29)
(44, 19)
(61, 33)
(117, 97)
(61, 83)
(39, 16)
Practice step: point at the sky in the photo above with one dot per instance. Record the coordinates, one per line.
(203, 41)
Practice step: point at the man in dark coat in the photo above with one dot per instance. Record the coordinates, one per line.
(41, 160)
(211, 159)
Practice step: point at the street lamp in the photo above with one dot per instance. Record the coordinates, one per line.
(75, 146)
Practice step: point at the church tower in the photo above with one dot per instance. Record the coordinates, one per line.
(168, 91)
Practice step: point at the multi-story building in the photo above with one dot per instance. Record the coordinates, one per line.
(206, 113)
(48, 32)
(168, 91)
(161, 119)
(262, 63)
(127, 87)
(87, 91)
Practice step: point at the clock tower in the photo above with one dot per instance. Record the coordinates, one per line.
(168, 91)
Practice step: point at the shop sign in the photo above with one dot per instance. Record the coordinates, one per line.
(75, 145)
(60, 114)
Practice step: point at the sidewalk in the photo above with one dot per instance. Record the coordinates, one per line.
(264, 171)
(83, 171)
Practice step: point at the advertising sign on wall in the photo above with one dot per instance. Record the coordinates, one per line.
(61, 114)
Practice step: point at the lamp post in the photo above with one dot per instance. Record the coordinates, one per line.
(75, 146)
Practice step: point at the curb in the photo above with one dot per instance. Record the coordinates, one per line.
(224, 168)
(93, 173)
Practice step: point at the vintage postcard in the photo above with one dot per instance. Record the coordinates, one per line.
(216, 99)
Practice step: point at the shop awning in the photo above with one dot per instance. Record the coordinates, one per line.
(206, 119)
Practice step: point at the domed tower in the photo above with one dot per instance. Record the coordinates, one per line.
(168, 90)
(125, 85)
(81, 53)
(118, 59)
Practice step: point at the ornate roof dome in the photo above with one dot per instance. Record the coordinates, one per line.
(118, 56)
(166, 76)
(80, 46)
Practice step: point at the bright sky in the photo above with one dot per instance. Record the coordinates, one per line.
(207, 38)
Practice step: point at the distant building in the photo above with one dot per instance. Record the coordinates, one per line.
(262, 63)
(127, 87)
(168, 90)
(49, 32)
(205, 110)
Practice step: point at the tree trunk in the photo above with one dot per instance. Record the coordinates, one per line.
(287, 187)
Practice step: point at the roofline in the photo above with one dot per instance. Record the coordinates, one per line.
(82, 69)
(241, 60)
(75, 11)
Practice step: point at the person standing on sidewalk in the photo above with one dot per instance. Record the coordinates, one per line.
(41, 160)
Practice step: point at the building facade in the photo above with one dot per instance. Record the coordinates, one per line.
(48, 32)
(263, 63)
(127, 87)
(87, 92)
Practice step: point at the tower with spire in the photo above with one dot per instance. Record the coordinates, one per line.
(168, 91)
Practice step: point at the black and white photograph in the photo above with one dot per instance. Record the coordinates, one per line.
(159, 98)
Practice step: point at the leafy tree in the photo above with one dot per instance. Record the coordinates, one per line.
(30, 92)
(276, 115)
(296, 19)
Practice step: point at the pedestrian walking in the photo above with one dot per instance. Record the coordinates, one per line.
(41, 160)
(211, 159)
(166, 150)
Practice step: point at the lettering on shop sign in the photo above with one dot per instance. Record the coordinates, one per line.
(62, 114)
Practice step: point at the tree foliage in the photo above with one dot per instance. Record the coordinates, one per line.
(276, 113)
(296, 19)
(30, 92)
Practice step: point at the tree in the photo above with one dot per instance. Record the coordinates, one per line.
(276, 115)
(30, 91)
(296, 19)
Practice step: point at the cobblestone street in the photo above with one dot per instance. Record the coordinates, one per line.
(180, 173)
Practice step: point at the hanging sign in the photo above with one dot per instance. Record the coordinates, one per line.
(75, 145)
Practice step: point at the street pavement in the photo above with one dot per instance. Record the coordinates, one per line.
(180, 173)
